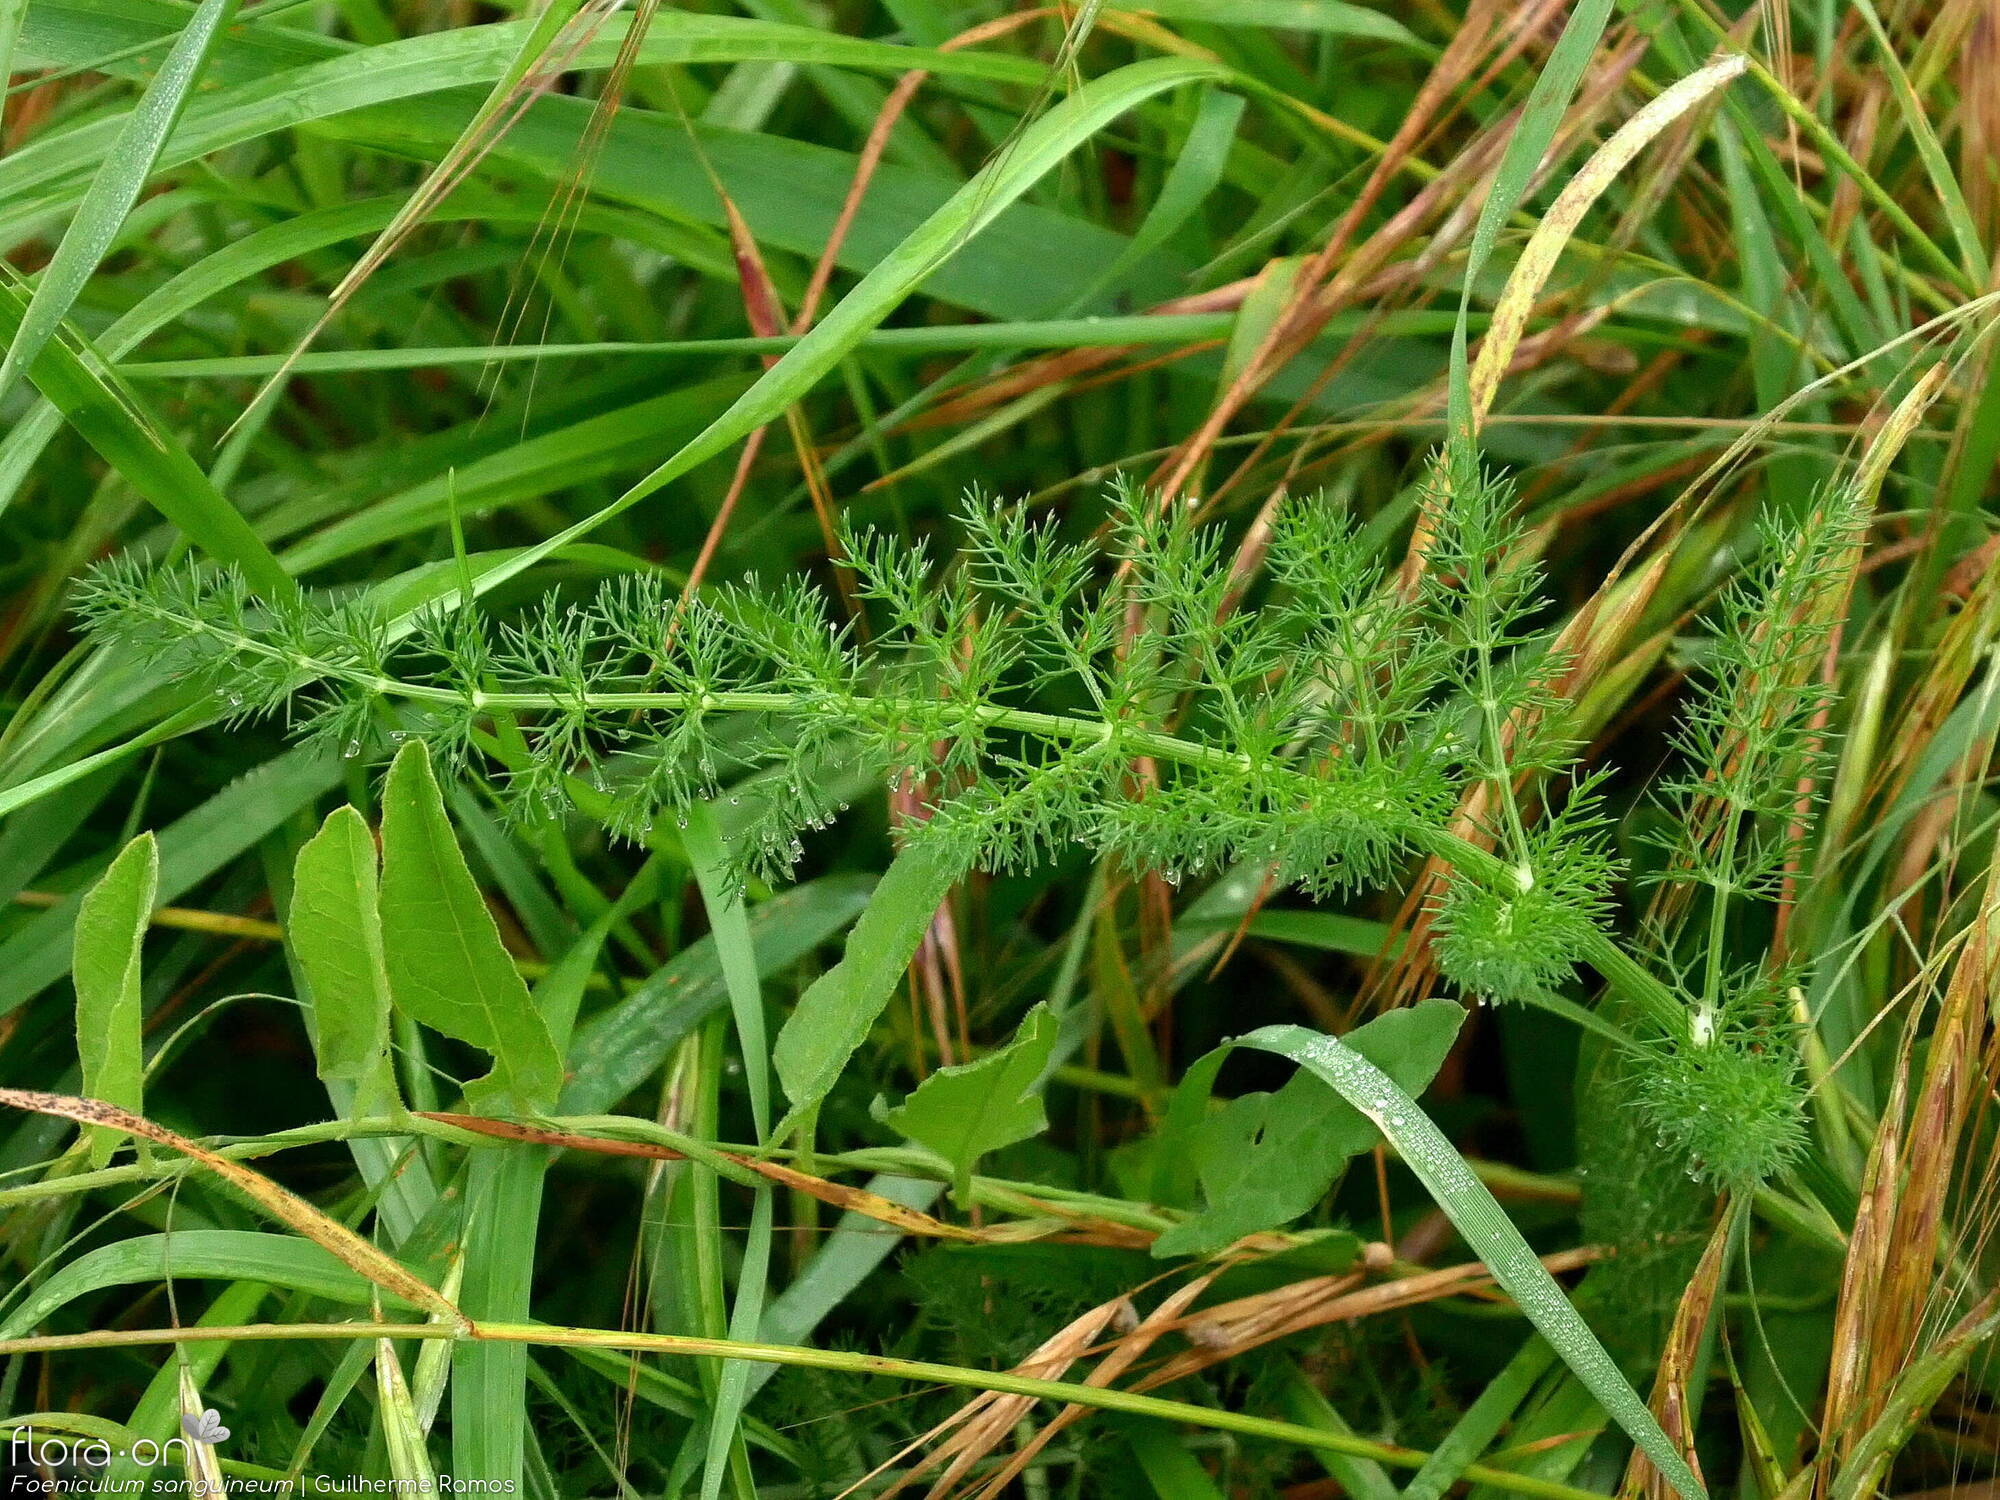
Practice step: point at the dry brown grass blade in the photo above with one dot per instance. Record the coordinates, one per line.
(1960, 653)
(989, 1416)
(1849, 1374)
(1223, 1332)
(1056, 1222)
(1307, 310)
(1903, 1275)
(1676, 1369)
(765, 315)
(1545, 245)
(1122, 1356)
(1979, 116)
(837, 1195)
(280, 1203)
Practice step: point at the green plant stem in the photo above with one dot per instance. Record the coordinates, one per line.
(1616, 967)
(1031, 1200)
(846, 1361)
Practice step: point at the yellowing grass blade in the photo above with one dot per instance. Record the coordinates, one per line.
(1545, 245)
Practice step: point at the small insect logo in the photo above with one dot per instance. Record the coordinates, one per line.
(204, 1427)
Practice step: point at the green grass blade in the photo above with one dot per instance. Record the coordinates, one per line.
(281, 1260)
(1482, 1421)
(1937, 168)
(503, 1204)
(1466, 1201)
(115, 188)
(973, 208)
(730, 925)
(1555, 85)
(134, 441)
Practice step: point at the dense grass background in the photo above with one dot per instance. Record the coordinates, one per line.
(387, 300)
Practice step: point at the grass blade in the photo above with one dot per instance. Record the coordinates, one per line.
(115, 188)
(1466, 1201)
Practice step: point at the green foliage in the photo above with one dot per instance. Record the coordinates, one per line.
(965, 1111)
(1315, 740)
(1521, 944)
(377, 373)
(1263, 1160)
(336, 936)
(1748, 735)
(110, 930)
(1730, 1101)
(442, 950)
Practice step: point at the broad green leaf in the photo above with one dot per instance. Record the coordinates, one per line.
(119, 180)
(335, 929)
(966, 1111)
(110, 930)
(834, 1015)
(447, 967)
(1264, 1159)
(1486, 1229)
